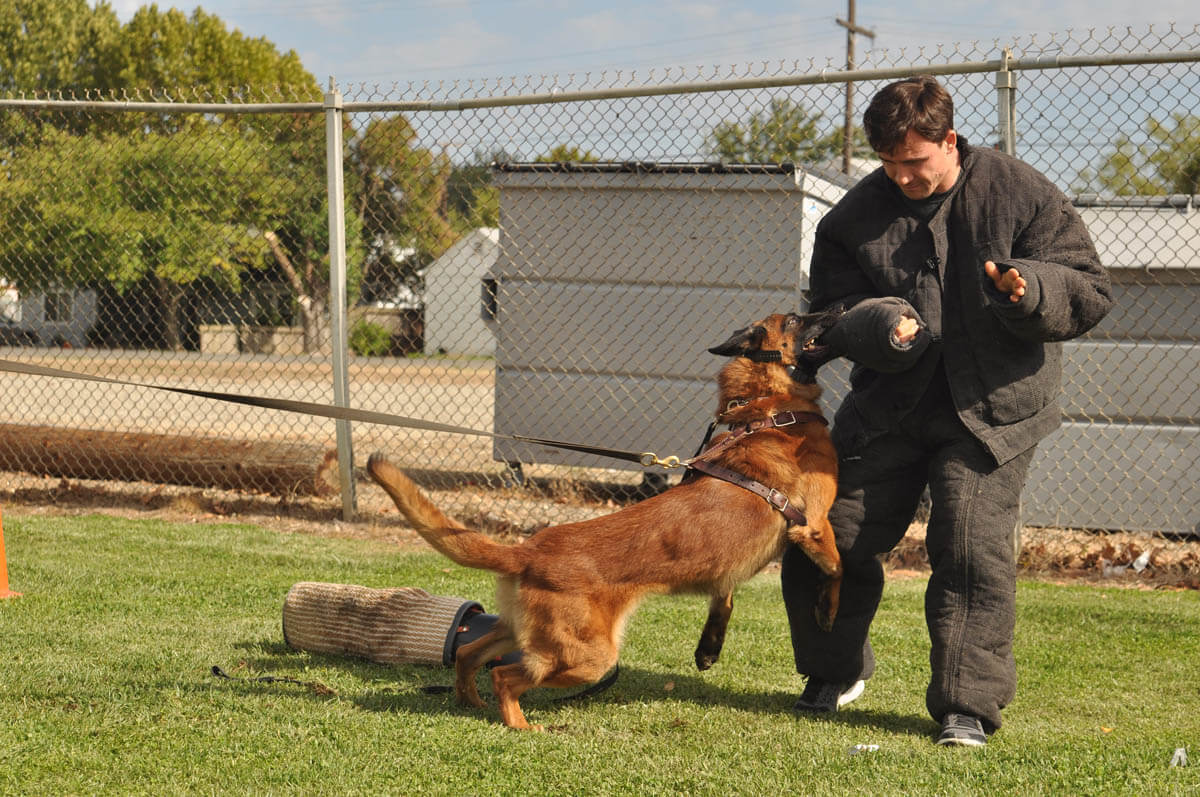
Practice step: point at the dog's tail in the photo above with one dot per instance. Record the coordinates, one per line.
(465, 546)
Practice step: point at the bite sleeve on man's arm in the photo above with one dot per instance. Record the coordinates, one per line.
(866, 335)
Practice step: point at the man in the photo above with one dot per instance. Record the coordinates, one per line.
(961, 269)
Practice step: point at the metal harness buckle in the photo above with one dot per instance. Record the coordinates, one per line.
(650, 458)
(774, 497)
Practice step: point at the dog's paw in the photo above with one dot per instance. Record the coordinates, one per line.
(705, 660)
(469, 696)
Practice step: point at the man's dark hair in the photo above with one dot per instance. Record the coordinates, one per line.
(917, 103)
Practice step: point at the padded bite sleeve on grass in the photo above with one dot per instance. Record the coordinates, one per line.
(401, 625)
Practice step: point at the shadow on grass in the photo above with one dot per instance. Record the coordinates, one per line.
(408, 688)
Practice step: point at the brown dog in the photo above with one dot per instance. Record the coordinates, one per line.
(565, 594)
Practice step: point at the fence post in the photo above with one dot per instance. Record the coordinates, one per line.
(336, 196)
(1006, 105)
(1006, 117)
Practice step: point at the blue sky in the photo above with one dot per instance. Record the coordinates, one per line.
(376, 41)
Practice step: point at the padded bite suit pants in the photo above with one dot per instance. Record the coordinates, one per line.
(970, 599)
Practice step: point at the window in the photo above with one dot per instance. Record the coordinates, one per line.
(58, 307)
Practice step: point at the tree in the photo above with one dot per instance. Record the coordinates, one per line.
(185, 196)
(53, 46)
(401, 197)
(785, 132)
(167, 199)
(1168, 163)
(471, 199)
(83, 209)
(168, 51)
(299, 238)
(565, 153)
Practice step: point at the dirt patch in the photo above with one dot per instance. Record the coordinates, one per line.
(1077, 555)
(1061, 555)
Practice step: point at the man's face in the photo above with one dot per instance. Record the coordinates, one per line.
(922, 167)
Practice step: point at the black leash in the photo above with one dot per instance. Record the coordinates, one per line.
(321, 689)
(315, 686)
(645, 459)
(594, 689)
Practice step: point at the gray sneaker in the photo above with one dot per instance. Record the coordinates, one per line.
(823, 697)
(962, 730)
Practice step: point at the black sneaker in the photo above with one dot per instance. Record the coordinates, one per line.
(822, 697)
(962, 730)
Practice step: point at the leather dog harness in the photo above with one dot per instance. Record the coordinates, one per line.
(775, 498)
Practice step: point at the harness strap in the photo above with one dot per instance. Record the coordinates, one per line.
(739, 430)
(772, 496)
(787, 418)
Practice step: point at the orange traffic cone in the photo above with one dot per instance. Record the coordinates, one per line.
(5, 592)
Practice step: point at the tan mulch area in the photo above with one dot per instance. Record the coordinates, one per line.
(1142, 561)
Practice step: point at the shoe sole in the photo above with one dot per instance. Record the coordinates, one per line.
(958, 742)
(848, 696)
(851, 694)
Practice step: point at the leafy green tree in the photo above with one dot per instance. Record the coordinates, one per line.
(1168, 163)
(472, 201)
(565, 153)
(161, 51)
(82, 209)
(784, 132)
(169, 199)
(168, 51)
(229, 192)
(414, 203)
(299, 237)
(53, 46)
(402, 189)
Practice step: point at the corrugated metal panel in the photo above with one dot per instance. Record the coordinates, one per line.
(612, 282)
(1116, 476)
(1148, 238)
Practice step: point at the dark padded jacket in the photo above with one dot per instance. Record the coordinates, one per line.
(1002, 359)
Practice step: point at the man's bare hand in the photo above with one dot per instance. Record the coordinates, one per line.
(1010, 282)
(906, 330)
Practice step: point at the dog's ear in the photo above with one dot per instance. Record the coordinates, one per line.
(837, 308)
(741, 342)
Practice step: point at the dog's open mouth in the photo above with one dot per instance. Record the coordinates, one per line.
(812, 348)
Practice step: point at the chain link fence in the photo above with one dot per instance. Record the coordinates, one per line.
(551, 256)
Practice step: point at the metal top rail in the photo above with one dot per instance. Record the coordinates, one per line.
(825, 76)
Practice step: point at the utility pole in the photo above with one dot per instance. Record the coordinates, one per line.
(848, 130)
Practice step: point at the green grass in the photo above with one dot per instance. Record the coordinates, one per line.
(105, 687)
